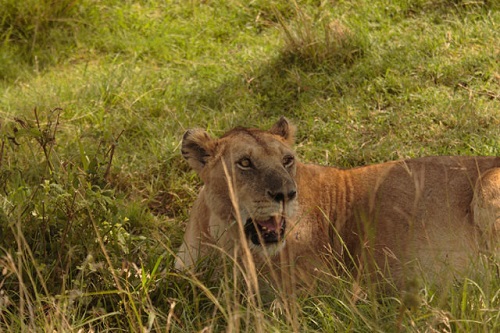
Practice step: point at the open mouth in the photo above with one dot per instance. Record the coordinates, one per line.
(268, 231)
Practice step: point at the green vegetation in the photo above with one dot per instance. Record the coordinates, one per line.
(95, 96)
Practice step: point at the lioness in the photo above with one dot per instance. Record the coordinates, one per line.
(430, 215)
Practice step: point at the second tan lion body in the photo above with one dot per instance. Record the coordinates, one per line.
(428, 217)
(414, 216)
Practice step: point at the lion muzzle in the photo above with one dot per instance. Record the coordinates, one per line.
(266, 232)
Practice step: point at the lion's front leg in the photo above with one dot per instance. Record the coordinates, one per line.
(196, 237)
(189, 252)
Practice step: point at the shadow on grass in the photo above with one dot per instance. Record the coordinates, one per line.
(305, 69)
(318, 60)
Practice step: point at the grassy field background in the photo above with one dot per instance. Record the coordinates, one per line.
(96, 94)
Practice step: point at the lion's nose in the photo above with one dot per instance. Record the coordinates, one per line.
(280, 196)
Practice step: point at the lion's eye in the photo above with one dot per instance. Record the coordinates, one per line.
(288, 161)
(245, 163)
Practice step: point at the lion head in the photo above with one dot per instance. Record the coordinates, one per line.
(249, 179)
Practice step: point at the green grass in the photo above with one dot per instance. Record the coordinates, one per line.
(95, 97)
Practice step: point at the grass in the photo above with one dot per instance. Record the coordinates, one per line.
(95, 97)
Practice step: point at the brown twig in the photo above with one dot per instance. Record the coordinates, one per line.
(1, 152)
(111, 154)
(45, 139)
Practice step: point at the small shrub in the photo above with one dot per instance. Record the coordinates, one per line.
(319, 42)
(63, 230)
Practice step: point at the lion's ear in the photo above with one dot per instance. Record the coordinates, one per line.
(197, 147)
(285, 129)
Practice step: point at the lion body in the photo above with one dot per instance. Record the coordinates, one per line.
(429, 216)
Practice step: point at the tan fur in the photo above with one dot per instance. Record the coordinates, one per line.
(429, 216)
